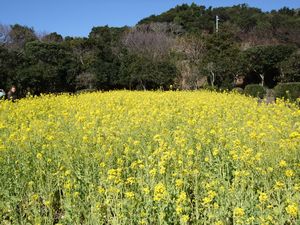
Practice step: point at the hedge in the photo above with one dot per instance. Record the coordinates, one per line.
(255, 90)
(238, 90)
(288, 91)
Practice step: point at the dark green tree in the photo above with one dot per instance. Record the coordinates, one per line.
(290, 69)
(47, 67)
(53, 37)
(263, 61)
(6, 66)
(20, 35)
(221, 61)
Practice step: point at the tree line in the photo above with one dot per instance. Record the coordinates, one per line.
(177, 49)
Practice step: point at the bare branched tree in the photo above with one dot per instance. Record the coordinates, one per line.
(190, 76)
(20, 35)
(151, 40)
(191, 49)
(86, 81)
(4, 34)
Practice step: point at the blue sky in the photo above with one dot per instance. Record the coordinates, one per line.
(77, 17)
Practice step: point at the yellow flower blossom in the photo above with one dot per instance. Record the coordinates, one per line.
(289, 173)
(39, 155)
(184, 218)
(129, 195)
(179, 157)
(263, 197)
(292, 209)
(282, 163)
(238, 212)
(160, 192)
(179, 183)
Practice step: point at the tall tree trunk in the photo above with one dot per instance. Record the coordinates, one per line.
(212, 80)
(141, 82)
(262, 76)
(282, 75)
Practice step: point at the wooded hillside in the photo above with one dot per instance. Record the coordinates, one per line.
(177, 49)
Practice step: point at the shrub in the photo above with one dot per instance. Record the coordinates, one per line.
(238, 90)
(87, 90)
(288, 91)
(210, 88)
(255, 90)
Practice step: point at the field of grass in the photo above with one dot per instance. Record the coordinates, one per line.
(149, 158)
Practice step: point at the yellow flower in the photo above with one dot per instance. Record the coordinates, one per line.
(160, 192)
(162, 170)
(146, 190)
(153, 172)
(292, 210)
(130, 180)
(179, 209)
(184, 218)
(295, 134)
(113, 190)
(143, 222)
(129, 195)
(219, 223)
(251, 219)
(118, 147)
(101, 190)
(34, 197)
(263, 197)
(215, 152)
(282, 163)
(289, 173)
(278, 185)
(39, 155)
(216, 206)
(182, 197)
(136, 143)
(68, 185)
(179, 183)
(238, 212)
(212, 194)
(207, 200)
(190, 152)
(68, 172)
(47, 203)
(85, 138)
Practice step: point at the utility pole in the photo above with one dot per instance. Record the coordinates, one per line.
(217, 24)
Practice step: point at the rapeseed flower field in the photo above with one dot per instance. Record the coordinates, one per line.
(149, 158)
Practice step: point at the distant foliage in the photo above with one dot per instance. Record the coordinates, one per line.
(255, 90)
(238, 90)
(290, 69)
(290, 91)
(179, 47)
(248, 23)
